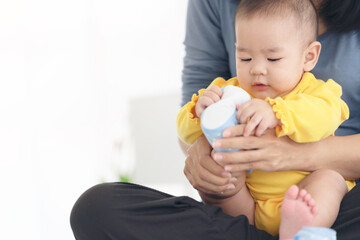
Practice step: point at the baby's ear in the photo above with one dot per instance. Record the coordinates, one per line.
(312, 53)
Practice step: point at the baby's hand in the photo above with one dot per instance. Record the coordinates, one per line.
(209, 96)
(261, 116)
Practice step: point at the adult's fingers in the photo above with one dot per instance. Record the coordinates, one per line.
(234, 131)
(255, 159)
(275, 154)
(244, 143)
(202, 180)
(202, 171)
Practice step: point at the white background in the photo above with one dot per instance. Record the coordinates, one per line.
(68, 70)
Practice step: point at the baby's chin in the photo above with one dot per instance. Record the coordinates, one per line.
(263, 95)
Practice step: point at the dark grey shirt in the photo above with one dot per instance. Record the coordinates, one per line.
(210, 53)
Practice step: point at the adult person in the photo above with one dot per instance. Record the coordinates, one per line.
(125, 211)
(272, 64)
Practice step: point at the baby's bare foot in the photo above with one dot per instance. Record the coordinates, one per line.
(297, 210)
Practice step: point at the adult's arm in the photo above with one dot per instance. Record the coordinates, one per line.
(269, 153)
(184, 147)
(203, 173)
(215, 186)
(205, 59)
(205, 53)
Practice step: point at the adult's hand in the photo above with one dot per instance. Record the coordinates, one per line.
(265, 153)
(205, 174)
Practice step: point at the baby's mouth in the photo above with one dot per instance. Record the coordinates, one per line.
(260, 86)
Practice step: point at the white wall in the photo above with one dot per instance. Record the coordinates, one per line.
(68, 70)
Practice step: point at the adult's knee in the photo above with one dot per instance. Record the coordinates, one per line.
(88, 211)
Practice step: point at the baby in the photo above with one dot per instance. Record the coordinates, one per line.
(276, 48)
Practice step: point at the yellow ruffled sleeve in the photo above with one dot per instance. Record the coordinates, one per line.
(187, 123)
(312, 111)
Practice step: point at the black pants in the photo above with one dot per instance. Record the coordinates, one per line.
(128, 211)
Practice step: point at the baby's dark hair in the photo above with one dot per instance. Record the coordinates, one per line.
(303, 10)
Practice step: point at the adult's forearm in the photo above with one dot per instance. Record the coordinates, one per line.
(270, 153)
(340, 153)
(184, 147)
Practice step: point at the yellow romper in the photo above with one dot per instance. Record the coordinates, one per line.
(312, 111)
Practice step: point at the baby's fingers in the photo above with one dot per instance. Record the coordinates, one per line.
(252, 124)
(244, 112)
(261, 128)
(214, 92)
(216, 89)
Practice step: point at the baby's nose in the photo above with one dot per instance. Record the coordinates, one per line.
(258, 69)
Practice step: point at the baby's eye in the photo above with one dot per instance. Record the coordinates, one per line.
(245, 59)
(273, 59)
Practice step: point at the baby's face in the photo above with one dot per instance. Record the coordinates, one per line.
(270, 55)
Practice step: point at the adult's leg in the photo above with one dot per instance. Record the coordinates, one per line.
(347, 224)
(128, 211)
